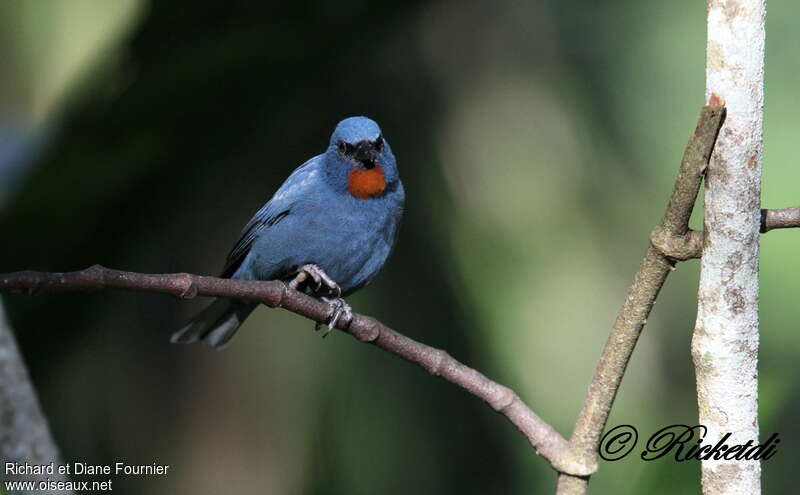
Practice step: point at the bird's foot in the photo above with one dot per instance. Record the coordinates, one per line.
(339, 310)
(319, 277)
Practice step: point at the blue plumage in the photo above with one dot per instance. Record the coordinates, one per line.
(340, 210)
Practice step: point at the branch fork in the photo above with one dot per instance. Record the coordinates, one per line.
(678, 247)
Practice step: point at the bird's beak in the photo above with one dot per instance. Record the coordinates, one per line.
(366, 154)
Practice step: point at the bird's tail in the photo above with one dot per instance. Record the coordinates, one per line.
(215, 325)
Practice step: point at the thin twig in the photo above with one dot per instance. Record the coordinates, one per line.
(545, 440)
(641, 296)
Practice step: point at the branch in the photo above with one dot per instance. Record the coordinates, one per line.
(726, 338)
(275, 294)
(780, 219)
(24, 433)
(641, 296)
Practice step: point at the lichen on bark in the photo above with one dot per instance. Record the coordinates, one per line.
(725, 342)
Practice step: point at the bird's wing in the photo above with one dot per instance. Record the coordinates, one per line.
(273, 212)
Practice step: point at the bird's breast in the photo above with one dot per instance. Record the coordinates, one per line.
(365, 184)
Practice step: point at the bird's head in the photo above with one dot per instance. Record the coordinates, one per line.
(361, 158)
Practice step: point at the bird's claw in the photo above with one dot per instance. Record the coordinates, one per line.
(319, 277)
(339, 310)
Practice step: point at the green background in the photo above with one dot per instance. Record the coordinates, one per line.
(537, 141)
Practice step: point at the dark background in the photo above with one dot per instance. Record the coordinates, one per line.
(537, 142)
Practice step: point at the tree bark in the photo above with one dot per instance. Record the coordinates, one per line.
(725, 342)
(24, 433)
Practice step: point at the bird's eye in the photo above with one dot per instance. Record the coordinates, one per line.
(345, 148)
(379, 143)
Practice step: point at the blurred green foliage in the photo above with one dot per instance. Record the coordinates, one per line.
(538, 142)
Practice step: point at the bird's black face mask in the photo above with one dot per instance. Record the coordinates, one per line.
(365, 152)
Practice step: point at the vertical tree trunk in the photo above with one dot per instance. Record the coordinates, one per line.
(725, 343)
(24, 433)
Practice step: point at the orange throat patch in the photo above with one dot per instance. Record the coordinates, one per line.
(364, 184)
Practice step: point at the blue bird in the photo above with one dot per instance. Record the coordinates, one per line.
(333, 222)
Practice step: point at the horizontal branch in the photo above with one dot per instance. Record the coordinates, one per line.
(545, 440)
(780, 219)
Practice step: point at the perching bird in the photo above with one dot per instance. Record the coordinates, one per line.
(333, 221)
